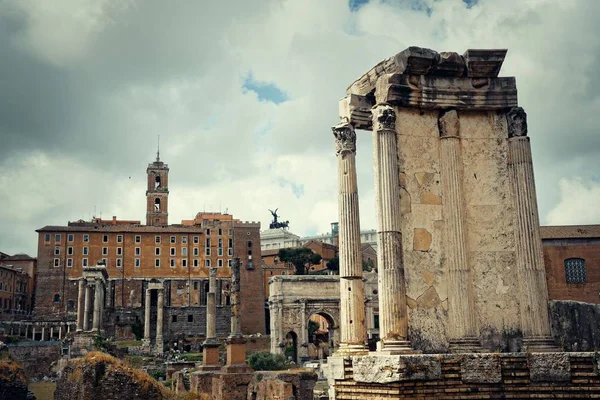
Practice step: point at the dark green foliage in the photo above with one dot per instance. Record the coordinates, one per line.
(137, 329)
(312, 328)
(334, 265)
(265, 361)
(301, 258)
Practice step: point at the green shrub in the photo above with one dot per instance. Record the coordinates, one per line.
(265, 361)
(158, 373)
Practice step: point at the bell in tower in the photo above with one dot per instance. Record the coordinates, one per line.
(157, 194)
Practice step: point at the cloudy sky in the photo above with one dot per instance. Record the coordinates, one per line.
(243, 95)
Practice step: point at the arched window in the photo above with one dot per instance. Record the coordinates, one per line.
(157, 181)
(575, 270)
(157, 204)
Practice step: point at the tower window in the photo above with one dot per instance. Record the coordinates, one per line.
(157, 183)
(157, 204)
(138, 239)
(156, 239)
(575, 271)
(157, 262)
(47, 237)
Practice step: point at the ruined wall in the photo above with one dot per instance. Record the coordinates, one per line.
(37, 358)
(575, 325)
(489, 226)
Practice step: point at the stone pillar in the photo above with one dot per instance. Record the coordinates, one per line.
(146, 341)
(59, 332)
(109, 292)
(33, 332)
(303, 348)
(352, 306)
(158, 348)
(43, 333)
(97, 306)
(236, 343)
(68, 328)
(462, 328)
(530, 259)
(86, 307)
(280, 337)
(80, 304)
(210, 347)
(393, 313)
(51, 332)
(19, 334)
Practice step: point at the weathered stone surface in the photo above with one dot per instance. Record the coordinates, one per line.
(334, 369)
(231, 386)
(430, 198)
(549, 367)
(267, 385)
(484, 63)
(98, 376)
(576, 326)
(481, 368)
(429, 299)
(422, 240)
(13, 384)
(428, 277)
(386, 369)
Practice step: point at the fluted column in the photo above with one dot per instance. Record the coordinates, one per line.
(86, 307)
(97, 306)
(462, 328)
(80, 304)
(147, 318)
(235, 299)
(211, 306)
(393, 313)
(159, 320)
(530, 259)
(352, 306)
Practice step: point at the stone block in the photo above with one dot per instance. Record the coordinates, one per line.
(481, 368)
(430, 198)
(429, 299)
(231, 386)
(549, 367)
(334, 369)
(422, 240)
(386, 369)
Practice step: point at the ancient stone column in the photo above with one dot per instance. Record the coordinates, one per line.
(146, 341)
(86, 307)
(33, 332)
(530, 259)
(280, 343)
(393, 324)
(80, 304)
(97, 306)
(159, 320)
(352, 306)
(43, 333)
(59, 332)
(303, 348)
(210, 347)
(462, 328)
(51, 332)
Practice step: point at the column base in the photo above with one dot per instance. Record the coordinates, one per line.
(540, 344)
(465, 345)
(210, 355)
(348, 349)
(159, 346)
(394, 347)
(236, 355)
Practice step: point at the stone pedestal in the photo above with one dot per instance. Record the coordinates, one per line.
(231, 386)
(236, 356)
(210, 356)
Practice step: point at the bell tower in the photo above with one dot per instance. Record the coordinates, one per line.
(157, 195)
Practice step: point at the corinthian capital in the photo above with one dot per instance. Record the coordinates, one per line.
(517, 122)
(384, 117)
(345, 138)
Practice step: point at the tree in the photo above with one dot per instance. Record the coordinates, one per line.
(333, 265)
(301, 258)
(312, 328)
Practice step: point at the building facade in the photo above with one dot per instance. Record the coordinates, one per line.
(177, 258)
(17, 274)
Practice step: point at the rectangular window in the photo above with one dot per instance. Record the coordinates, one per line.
(104, 238)
(173, 239)
(156, 239)
(86, 250)
(137, 262)
(138, 239)
(230, 231)
(119, 262)
(173, 251)
(230, 251)
(105, 251)
(69, 262)
(220, 242)
(196, 240)
(157, 251)
(207, 252)
(174, 318)
(69, 251)
(220, 252)
(220, 231)
(184, 251)
(47, 237)
(70, 237)
(56, 250)
(184, 239)
(207, 263)
(138, 251)
(119, 251)
(219, 262)
(119, 238)
(84, 262)
(172, 261)
(57, 237)
(195, 262)
(157, 262)
(230, 262)
(86, 238)
(57, 262)
(230, 244)
(190, 318)
(184, 263)
(196, 252)
(207, 242)
(104, 261)
(196, 285)
(208, 231)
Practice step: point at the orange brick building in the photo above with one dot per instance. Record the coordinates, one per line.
(572, 261)
(178, 255)
(16, 285)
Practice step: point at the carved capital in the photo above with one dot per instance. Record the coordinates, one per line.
(449, 124)
(517, 122)
(345, 138)
(384, 118)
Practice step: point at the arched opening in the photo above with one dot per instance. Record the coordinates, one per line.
(320, 336)
(157, 182)
(57, 298)
(291, 346)
(157, 204)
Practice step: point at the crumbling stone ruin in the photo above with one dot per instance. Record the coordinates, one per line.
(13, 384)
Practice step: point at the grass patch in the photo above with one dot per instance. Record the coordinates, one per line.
(135, 361)
(191, 356)
(128, 343)
(43, 390)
